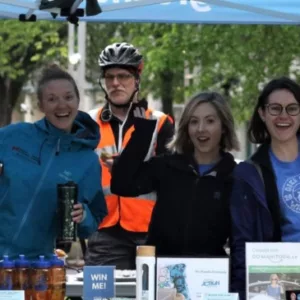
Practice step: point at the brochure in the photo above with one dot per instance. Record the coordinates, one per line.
(272, 269)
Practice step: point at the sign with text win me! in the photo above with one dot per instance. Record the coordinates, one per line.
(98, 282)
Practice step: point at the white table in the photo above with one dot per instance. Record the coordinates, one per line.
(75, 288)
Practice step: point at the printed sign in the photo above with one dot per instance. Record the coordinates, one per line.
(12, 295)
(98, 282)
(190, 278)
(271, 270)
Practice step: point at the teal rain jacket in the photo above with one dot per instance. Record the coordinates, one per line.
(36, 157)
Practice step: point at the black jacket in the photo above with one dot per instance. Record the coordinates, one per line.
(262, 158)
(255, 212)
(191, 216)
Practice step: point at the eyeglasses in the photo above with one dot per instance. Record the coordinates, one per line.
(276, 109)
(121, 77)
(274, 279)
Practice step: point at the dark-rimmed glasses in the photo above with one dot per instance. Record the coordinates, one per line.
(276, 109)
(121, 77)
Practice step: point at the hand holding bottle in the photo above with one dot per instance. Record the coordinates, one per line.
(77, 213)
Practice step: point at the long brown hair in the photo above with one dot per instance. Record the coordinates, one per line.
(229, 141)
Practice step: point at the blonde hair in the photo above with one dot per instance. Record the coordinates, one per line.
(229, 141)
(273, 276)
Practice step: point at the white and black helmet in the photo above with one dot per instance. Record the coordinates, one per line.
(121, 55)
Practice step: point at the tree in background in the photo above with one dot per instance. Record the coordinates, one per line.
(233, 59)
(98, 37)
(164, 49)
(168, 50)
(24, 48)
(243, 58)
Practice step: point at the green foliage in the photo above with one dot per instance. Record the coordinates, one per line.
(98, 37)
(26, 46)
(164, 46)
(247, 57)
(233, 59)
(24, 49)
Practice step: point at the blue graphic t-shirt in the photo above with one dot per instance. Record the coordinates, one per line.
(288, 186)
(204, 168)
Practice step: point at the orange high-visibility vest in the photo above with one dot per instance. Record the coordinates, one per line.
(133, 213)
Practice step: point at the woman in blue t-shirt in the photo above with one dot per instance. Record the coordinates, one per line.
(274, 289)
(265, 203)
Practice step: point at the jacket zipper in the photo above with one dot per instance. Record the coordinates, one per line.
(57, 147)
(25, 217)
(119, 150)
(4, 196)
(120, 136)
(39, 162)
(187, 225)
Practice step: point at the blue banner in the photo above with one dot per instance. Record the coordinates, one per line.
(181, 11)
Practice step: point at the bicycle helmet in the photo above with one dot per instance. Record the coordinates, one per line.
(121, 55)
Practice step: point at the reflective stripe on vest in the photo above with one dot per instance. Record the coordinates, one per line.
(133, 213)
(149, 196)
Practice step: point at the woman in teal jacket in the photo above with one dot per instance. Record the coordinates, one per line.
(36, 157)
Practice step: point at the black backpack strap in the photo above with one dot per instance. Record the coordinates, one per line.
(272, 197)
(258, 169)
